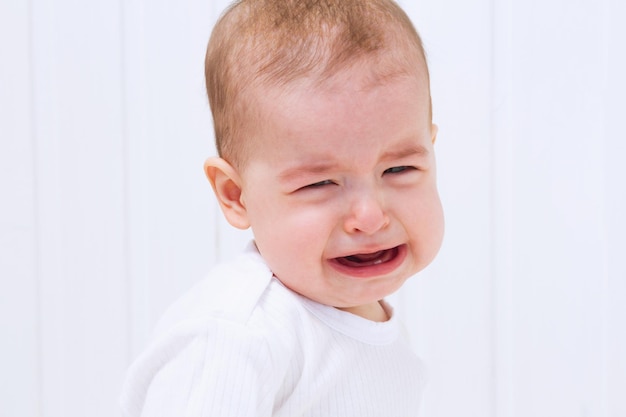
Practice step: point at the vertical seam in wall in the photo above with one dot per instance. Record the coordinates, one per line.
(493, 224)
(125, 173)
(604, 360)
(502, 208)
(36, 207)
(492, 288)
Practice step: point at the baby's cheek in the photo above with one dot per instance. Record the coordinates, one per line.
(311, 221)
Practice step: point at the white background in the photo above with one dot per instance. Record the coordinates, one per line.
(106, 217)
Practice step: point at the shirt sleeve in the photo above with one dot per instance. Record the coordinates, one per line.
(223, 370)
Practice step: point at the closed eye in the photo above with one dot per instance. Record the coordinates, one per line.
(398, 170)
(319, 184)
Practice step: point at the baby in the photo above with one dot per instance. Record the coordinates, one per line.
(324, 129)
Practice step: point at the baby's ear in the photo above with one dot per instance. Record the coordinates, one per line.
(226, 184)
(433, 132)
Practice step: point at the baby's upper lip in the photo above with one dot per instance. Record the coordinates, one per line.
(366, 250)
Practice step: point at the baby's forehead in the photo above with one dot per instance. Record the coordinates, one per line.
(359, 79)
(343, 93)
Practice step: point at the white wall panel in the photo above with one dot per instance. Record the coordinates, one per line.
(81, 219)
(502, 210)
(558, 208)
(614, 325)
(172, 214)
(19, 290)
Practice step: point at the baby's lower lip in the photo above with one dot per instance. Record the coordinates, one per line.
(371, 264)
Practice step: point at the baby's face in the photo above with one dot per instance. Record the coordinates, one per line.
(340, 190)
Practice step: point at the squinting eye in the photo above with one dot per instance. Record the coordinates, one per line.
(396, 170)
(320, 184)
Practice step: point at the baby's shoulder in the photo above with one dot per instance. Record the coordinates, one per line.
(230, 291)
(242, 293)
(235, 325)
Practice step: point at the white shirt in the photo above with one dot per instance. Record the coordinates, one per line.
(241, 344)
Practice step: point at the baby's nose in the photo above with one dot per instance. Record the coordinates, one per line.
(367, 215)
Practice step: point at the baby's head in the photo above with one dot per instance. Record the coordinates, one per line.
(323, 123)
(270, 44)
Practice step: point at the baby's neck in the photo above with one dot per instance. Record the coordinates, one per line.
(374, 311)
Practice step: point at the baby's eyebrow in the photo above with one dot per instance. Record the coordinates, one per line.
(413, 150)
(316, 167)
(324, 165)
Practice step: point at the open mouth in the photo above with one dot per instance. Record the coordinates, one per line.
(362, 260)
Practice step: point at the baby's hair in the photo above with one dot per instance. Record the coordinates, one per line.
(271, 43)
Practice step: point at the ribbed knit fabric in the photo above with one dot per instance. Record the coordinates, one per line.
(241, 344)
